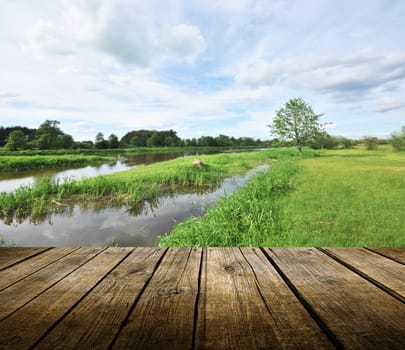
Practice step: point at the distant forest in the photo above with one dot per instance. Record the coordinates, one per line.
(49, 136)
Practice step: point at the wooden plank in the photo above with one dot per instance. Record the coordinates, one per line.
(355, 312)
(26, 326)
(164, 315)
(244, 304)
(384, 272)
(96, 320)
(13, 255)
(397, 254)
(23, 291)
(26, 268)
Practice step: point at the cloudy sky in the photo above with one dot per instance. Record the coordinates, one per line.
(201, 67)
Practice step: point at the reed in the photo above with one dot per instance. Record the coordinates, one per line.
(12, 164)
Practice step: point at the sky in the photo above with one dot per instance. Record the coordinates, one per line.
(203, 67)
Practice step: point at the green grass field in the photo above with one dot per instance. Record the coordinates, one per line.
(342, 198)
(347, 198)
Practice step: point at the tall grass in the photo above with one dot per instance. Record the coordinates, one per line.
(22, 163)
(343, 198)
(130, 187)
(249, 217)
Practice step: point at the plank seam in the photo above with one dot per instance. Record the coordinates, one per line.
(380, 285)
(26, 258)
(257, 283)
(79, 300)
(384, 255)
(41, 268)
(197, 300)
(49, 287)
(125, 320)
(311, 311)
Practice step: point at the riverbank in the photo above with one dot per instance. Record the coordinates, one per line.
(122, 151)
(342, 198)
(13, 164)
(131, 187)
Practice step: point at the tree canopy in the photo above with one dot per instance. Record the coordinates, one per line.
(16, 140)
(296, 122)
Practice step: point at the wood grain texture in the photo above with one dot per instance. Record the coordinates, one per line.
(27, 289)
(36, 318)
(164, 315)
(96, 320)
(10, 256)
(383, 271)
(244, 304)
(358, 314)
(214, 298)
(27, 267)
(397, 254)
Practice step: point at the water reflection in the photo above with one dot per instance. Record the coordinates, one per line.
(100, 225)
(10, 182)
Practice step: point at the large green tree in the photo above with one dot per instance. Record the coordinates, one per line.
(16, 140)
(296, 122)
(48, 133)
(100, 142)
(113, 141)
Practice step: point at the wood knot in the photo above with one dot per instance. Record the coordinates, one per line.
(229, 268)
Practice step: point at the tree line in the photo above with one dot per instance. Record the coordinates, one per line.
(50, 136)
(295, 124)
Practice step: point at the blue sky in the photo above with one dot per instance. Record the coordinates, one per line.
(201, 67)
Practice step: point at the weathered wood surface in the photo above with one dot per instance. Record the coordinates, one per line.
(214, 298)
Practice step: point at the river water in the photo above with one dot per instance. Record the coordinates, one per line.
(10, 182)
(117, 226)
(79, 226)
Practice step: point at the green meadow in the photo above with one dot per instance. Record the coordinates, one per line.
(342, 198)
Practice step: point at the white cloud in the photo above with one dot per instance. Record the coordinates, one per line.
(183, 41)
(122, 29)
(386, 104)
(48, 38)
(361, 72)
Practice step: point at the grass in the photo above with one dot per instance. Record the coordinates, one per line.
(129, 187)
(343, 198)
(10, 164)
(247, 218)
(119, 151)
(347, 198)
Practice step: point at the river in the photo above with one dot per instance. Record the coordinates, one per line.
(117, 226)
(79, 226)
(10, 182)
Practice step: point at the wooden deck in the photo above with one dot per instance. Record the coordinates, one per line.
(215, 298)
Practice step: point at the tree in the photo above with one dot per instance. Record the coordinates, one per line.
(64, 141)
(16, 140)
(48, 133)
(155, 140)
(100, 142)
(371, 142)
(398, 140)
(113, 141)
(296, 122)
